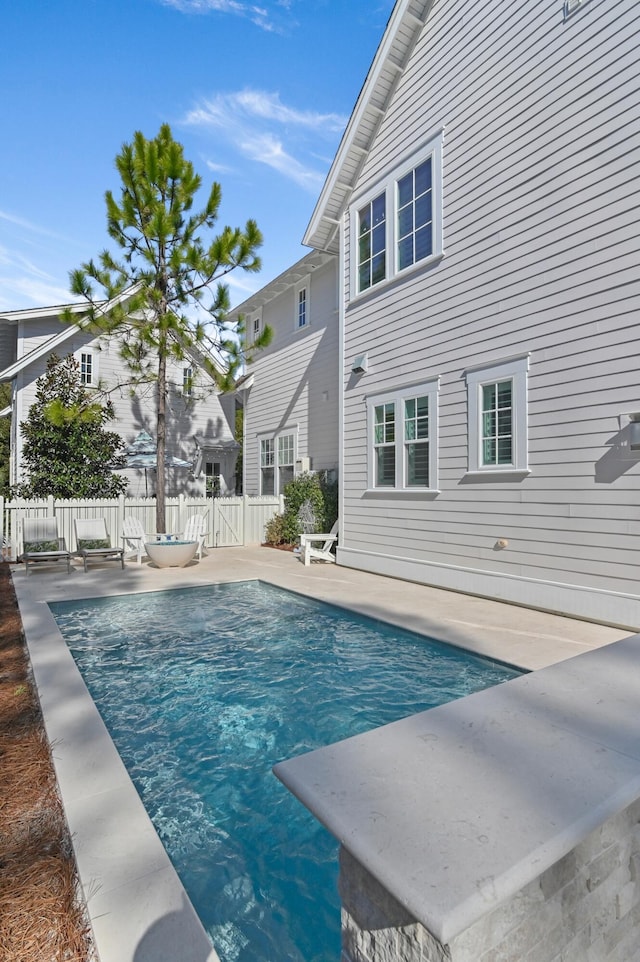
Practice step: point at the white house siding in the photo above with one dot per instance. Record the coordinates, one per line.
(541, 151)
(207, 414)
(296, 379)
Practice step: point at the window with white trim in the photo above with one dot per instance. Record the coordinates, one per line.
(399, 224)
(277, 462)
(285, 461)
(497, 405)
(212, 479)
(256, 325)
(403, 432)
(267, 463)
(301, 308)
(87, 376)
(187, 381)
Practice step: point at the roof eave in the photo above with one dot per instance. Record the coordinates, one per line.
(403, 29)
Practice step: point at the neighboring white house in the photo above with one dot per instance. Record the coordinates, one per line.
(291, 392)
(200, 421)
(483, 208)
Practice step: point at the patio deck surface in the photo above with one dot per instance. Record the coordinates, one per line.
(138, 909)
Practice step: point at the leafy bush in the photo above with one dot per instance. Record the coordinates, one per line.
(303, 506)
(274, 530)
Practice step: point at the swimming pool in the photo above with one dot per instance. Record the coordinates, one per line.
(203, 691)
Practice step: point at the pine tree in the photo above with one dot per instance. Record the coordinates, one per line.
(67, 452)
(168, 270)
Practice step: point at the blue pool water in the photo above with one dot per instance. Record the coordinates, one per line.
(203, 691)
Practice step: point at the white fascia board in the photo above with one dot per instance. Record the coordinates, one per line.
(394, 50)
(64, 335)
(288, 279)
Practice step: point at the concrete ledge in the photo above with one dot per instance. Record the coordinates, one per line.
(456, 809)
(138, 908)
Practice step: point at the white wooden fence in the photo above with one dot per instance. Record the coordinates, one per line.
(230, 521)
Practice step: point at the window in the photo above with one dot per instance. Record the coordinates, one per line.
(256, 328)
(405, 218)
(277, 460)
(403, 431)
(187, 381)
(301, 313)
(285, 461)
(267, 461)
(414, 213)
(212, 479)
(372, 243)
(497, 402)
(86, 368)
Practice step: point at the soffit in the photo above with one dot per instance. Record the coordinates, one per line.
(402, 32)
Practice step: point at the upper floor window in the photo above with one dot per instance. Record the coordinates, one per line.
(372, 243)
(86, 368)
(403, 430)
(497, 403)
(400, 224)
(187, 381)
(256, 328)
(301, 307)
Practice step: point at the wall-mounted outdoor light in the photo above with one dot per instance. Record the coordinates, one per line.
(361, 364)
(634, 431)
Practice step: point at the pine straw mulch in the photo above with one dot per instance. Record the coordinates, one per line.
(42, 915)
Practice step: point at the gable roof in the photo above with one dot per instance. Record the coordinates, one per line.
(289, 278)
(49, 346)
(198, 353)
(403, 29)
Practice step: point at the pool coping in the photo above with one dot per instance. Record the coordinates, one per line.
(121, 867)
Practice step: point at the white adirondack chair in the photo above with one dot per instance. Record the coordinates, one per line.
(196, 530)
(133, 538)
(318, 547)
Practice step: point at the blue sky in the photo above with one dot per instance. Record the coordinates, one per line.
(258, 93)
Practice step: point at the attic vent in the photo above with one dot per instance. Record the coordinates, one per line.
(570, 6)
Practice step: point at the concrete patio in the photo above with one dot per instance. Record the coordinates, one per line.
(138, 909)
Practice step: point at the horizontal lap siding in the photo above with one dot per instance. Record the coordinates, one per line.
(297, 378)
(541, 239)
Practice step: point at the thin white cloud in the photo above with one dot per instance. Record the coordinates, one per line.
(258, 125)
(29, 225)
(246, 105)
(260, 16)
(269, 150)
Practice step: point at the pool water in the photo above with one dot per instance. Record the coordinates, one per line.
(203, 690)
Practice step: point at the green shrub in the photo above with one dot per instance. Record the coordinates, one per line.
(274, 530)
(303, 506)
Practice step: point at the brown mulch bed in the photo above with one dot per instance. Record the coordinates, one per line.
(42, 916)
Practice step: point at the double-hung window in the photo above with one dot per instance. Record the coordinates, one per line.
(403, 430)
(277, 462)
(187, 381)
(497, 403)
(267, 464)
(285, 461)
(399, 224)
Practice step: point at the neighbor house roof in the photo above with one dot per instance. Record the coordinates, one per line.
(281, 283)
(402, 32)
(52, 343)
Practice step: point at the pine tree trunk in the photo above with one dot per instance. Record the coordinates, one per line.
(161, 518)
